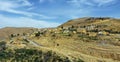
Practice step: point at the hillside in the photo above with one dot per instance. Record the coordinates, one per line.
(110, 23)
(89, 39)
(7, 31)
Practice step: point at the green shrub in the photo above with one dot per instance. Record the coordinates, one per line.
(79, 60)
(37, 34)
(2, 45)
(30, 55)
(87, 37)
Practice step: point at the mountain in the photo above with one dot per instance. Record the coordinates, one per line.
(88, 39)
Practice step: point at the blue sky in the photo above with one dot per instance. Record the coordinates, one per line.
(51, 13)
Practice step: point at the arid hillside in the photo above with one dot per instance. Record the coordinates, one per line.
(89, 39)
(105, 22)
(7, 31)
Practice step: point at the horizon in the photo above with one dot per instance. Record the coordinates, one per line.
(52, 13)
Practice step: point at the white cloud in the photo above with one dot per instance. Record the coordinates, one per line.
(80, 2)
(28, 13)
(13, 7)
(24, 22)
(25, 3)
(104, 2)
(91, 2)
(7, 5)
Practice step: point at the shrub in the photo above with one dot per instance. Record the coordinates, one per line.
(12, 35)
(37, 34)
(2, 45)
(87, 37)
(79, 60)
(30, 55)
(26, 40)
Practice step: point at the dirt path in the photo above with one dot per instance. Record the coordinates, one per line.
(34, 43)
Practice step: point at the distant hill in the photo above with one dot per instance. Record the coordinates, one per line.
(101, 23)
(7, 31)
(111, 23)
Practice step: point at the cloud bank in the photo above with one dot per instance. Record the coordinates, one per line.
(97, 3)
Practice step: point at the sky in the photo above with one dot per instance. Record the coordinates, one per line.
(52, 13)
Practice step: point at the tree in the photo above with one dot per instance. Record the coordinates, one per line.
(12, 35)
(72, 26)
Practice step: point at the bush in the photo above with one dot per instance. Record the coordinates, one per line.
(26, 40)
(32, 55)
(2, 45)
(79, 60)
(88, 37)
(12, 35)
(37, 34)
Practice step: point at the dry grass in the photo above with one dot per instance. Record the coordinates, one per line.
(77, 48)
